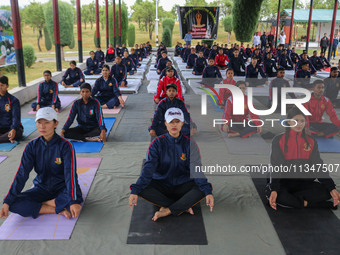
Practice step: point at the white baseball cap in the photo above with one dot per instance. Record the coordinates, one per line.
(174, 113)
(47, 113)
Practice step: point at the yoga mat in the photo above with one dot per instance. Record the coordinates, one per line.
(64, 101)
(217, 107)
(29, 128)
(93, 147)
(50, 226)
(253, 145)
(331, 145)
(116, 110)
(185, 229)
(152, 87)
(2, 158)
(303, 231)
(132, 86)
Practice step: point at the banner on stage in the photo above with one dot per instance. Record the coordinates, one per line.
(7, 50)
(201, 22)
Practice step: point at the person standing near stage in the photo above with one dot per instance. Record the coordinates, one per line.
(188, 38)
(335, 45)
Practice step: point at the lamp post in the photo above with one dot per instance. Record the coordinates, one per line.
(156, 25)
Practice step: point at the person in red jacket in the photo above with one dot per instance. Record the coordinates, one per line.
(161, 89)
(221, 59)
(224, 93)
(243, 130)
(295, 148)
(317, 106)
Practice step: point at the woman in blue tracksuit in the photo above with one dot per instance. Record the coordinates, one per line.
(106, 90)
(47, 94)
(56, 189)
(91, 126)
(92, 65)
(166, 179)
(73, 76)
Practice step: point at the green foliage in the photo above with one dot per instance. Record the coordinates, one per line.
(65, 22)
(195, 3)
(245, 18)
(228, 23)
(269, 7)
(170, 23)
(95, 39)
(29, 55)
(131, 35)
(124, 24)
(10, 69)
(166, 37)
(48, 43)
(71, 46)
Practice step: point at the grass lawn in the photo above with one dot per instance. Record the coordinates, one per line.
(32, 73)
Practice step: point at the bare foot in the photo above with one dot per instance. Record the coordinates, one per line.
(66, 213)
(161, 213)
(96, 139)
(49, 203)
(190, 211)
(231, 135)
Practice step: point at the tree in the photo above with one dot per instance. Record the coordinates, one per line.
(48, 43)
(65, 23)
(225, 6)
(195, 3)
(131, 35)
(166, 37)
(124, 23)
(269, 7)
(228, 25)
(33, 15)
(245, 18)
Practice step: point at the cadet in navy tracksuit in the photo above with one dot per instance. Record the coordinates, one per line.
(317, 106)
(200, 64)
(47, 94)
(161, 64)
(270, 66)
(91, 126)
(252, 73)
(134, 57)
(168, 65)
(119, 72)
(324, 60)
(284, 61)
(294, 57)
(316, 61)
(92, 65)
(305, 58)
(191, 59)
(332, 86)
(213, 52)
(106, 90)
(166, 179)
(186, 54)
(73, 77)
(119, 51)
(211, 71)
(279, 82)
(299, 190)
(10, 116)
(233, 126)
(131, 67)
(302, 76)
(158, 127)
(236, 62)
(56, 189)
(100, 56)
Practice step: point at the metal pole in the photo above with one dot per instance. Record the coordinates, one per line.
(56, 34)
(114, 23)
(120, 23)
(19, 55)
(332, 29)
(309, 24)
(80, 43)
(156, 25)
(107, 22)
(291, 24)
(277, 23)
(97, 24)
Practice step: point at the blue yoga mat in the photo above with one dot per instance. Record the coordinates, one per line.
(217, 107)
(29, 128)
(93, 147)
(328, 144)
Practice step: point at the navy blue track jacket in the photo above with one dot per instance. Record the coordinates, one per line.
(200, 64)
(211, 72)
(130, 65)
(100, 56)
(106, 89)
(55, 165)
(169, 161)
(48, 93)
(74, 74)
(89, 116)
(191, 60)
(119, 72)
(91, 64)
(9, 112)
